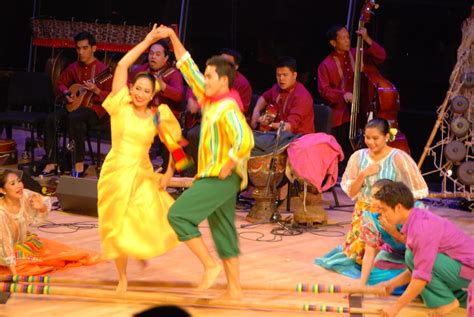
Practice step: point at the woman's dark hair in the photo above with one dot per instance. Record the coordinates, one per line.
(4, 176)
(146, 75)
(380, 124)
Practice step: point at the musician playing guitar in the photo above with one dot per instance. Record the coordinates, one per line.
(82, 72)
(293, 103)
(336, 78)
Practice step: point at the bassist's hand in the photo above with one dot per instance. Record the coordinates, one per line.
(363, 32)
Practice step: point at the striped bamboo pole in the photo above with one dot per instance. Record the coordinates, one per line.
(162, 298)
(300, 287)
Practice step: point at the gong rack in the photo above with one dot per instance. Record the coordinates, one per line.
(452, 154)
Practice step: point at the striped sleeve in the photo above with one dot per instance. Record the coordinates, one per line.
(239, 134)
(192, 75)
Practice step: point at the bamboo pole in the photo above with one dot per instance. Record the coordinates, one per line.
(163, 298)
(451, 195)
(184, 182)
(299, 287)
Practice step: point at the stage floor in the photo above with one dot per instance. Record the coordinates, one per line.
(265, 258)
(287, 259)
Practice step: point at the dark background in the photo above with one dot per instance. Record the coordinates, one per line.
(420, 36)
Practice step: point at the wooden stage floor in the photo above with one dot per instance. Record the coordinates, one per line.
(287, 259)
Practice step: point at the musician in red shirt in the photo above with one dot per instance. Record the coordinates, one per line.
(336, 78)
(84, 71)
(241, 84)
(293, 102)
(160, 64)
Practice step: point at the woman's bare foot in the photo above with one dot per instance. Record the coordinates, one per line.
(122, 286)
(209, 277)
(444, 310)
(143, 264)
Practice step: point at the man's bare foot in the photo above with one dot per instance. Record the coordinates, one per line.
(209, 277)
(122, 286)
(444, 310)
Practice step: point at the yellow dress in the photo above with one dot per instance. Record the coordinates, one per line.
(132, 208)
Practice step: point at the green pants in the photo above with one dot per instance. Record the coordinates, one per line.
(215, 200)
(446, 284)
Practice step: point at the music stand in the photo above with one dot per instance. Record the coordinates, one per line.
(276, 216)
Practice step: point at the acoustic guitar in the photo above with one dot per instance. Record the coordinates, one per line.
(271, 112)
(81, 96)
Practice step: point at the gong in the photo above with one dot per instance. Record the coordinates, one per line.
(466, 173)
(460, 126)
(459, 104)
(56, 64)
(455, 151)
(467, 79)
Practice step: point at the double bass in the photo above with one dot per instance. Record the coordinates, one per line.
(381, 99)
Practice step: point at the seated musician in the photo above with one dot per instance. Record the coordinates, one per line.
(192, 127)
(241, 84)
(293, 103)
(161, 65)
(83, 72)
(336, 78)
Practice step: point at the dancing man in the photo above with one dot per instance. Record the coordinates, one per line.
(225, 145)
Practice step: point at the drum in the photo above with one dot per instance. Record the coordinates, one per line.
(308, 204)
(258, 172)
(8, 152)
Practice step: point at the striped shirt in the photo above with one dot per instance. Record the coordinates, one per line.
(225, 134)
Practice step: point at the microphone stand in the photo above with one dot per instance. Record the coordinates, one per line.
(60, 101)
(276, 216)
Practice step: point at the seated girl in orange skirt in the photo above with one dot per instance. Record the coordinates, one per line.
(23, 253)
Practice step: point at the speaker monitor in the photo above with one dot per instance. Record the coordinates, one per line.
(78, 195)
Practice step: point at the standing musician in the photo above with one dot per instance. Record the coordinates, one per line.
(82, 72)
(336, 78)
(160, 64)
